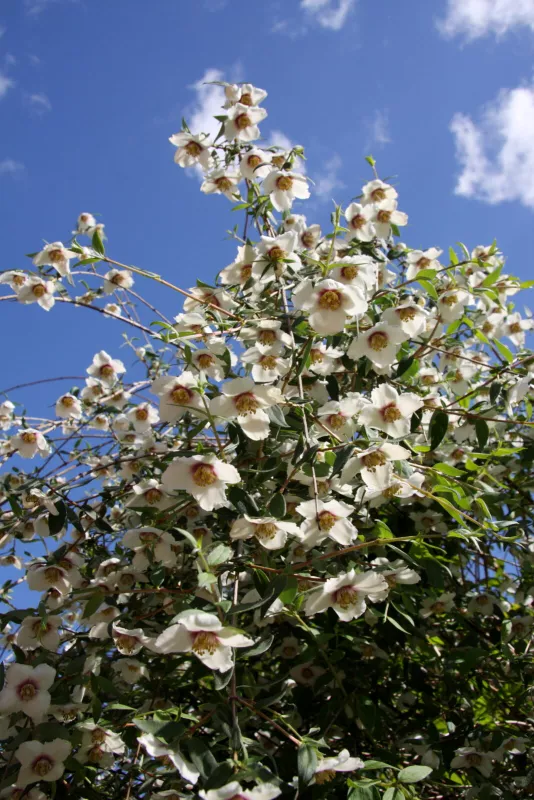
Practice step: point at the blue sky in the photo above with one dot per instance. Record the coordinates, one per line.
(90, 90)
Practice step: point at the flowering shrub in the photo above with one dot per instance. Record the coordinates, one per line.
(290, 556)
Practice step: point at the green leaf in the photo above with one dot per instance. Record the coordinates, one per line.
(393, 794)
(219, 555)
(373, 764)
(429, 289)
(505, 352)
(277, 506)
(447, 469)
(407, 367)
(94, 602)
(288, 594)
(414, 774)
(276, 416)
(439, 422)
(452, 255)
(244, 503)
(342, 457)
(482, 432)
(306, 763)
(97, 243)
(382, 531)
(56, 522)
(305, 356)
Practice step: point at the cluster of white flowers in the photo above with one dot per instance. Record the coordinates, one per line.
(322, 497)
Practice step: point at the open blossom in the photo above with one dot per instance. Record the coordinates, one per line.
(41, 577)
(276, 254)
(68, 407)
(266, 367)
(382, 485)
(129, 641)
(222, 181)
(471, 758)
(177, 396)
(26, 689)
(150, 540)
(418, 260)
(37, 290)
(240, 270)
(233, 790)
(284, 187)
(324, 520)
(14, 279)
(41, 761)
(255, 164)
(267, 335)
(390, 411)
(130, 670)
(117, 279)
(451, 304)
(437, 605)
(204, 635)
(347, 594)
(376, 191)
(157, 749)
(380, 344)
(57, 256)
(408, 316)
(338, 416)
(372, 458)
(359, 222)
(204, 477)
(203, 296)
(242, 122)
(85, 224)
(330, 304)
(245, 401)
(29, 442)
(385, 215)
(359, 271)
(244, 93)
(105, 368)
(326, 768)
(191, 149)
(36, 632)
(270, 533)
(143, 417)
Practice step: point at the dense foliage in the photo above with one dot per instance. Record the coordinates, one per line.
(302, 565)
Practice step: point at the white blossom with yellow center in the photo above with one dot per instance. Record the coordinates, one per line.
(347, 594)
(26, 689)
(204, 477)
(330, 304)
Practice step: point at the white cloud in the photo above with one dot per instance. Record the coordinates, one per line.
(40, 102)
(497, 153)
(209, 101)
(328, 181)
(5, 84)
(476, 18)
(2, 30)
(35, 7)
(330, 14)
(9, 167)
(379, 128)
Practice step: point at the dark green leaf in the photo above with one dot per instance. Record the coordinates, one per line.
(439, 422)
(414, 774)
(277, 506)
(306, 763)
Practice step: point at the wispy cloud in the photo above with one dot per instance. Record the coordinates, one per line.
(209, 101)
(476, 18)
(40, 102)
(496, 153)
(328, 180)
(330, 14)
(5, 85)
(10, 167)
(378, 133)
(2, 30)
(35, 7)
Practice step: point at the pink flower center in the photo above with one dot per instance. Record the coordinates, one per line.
(203, 475)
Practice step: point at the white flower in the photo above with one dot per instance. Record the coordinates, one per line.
(37, 290)
(326, 520)
(382, 485)
(338, 416)
(373, 457)
(176, 396)
(275, 255)
(55, 255)
(85, 224)
(481, 604)
(271, 533)
(150, 492)
(437, 605)
(331, 304)
(245, 401)
(514, 328)
(418, 260)
(29, 442)
(379, 343)
(95, 735)
(359, 271)
(267, 367)
(41, 761)
(306, 673)
(143, 417)
(255, 164)
(204, 477)
(68, 407)
(129, 641)
(157, 749)
(130, 669)
(203, 635)
(242, 122)
(14, 279)
(470, 757)
(221, 181)
(26, 689)
(389, 411)
(375, 191)
(408, 316)
(117, 279)
(234, 790)
(203, 295)
(396, 571)
(191, 149)
(105, 368)
(158, 543)
(244, 93)
(267, 336)
(284, 187)
(347, 593)
(451, 304)
(309, 237)
(240, 270)
(6, 415)
(41, 577)
(359, 222)
(327, 767)
(385, 215)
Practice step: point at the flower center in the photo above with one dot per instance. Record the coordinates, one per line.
(39, 290)
(19, 280)
(246, 99)
(391, 491)
(358, 222)
(276, 253)
(325, 776)
(406, 314)
(67, 401)
(307, 239)
(378, 341)
(265, 530)
(253, 161)
(267, 337)
(52, 574)
(246, 403)
(373, 460)
(268, 362)
(473, 759)
(193, 149)
(284, 183)
(27, 690)
(106, 371)
(336, 421)
(327, 520)
(350, 272)
(390, 413)
(141, 414)
(482, 599)
(316, 357)
(126, 643)
(95, 754)
(449, 300)
(515, 327)
(383, 216)
(55, 255)
(438, 607)
(205, 361)
(368, 651)
(148, 536)
(278, 161)
(42, 766)
(153, 496)
(423, 263)
(203, 475)
(205, 642)
(180, 395)
(242, 121)
(28, 437)
(330, 300)
(346, 597)
(223, 183)
(378, 194)
(245, 272)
